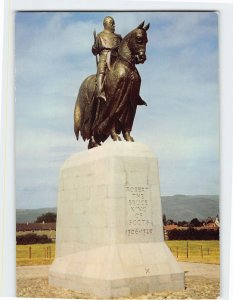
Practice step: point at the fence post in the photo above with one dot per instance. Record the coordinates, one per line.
(201, 252)
(187, 249)
(30, 252)
(177, 252)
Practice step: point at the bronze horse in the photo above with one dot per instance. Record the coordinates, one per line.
(96, 119)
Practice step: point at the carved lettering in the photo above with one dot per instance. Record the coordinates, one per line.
(139, 216)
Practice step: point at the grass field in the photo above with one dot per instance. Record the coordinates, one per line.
(190, 251)
(39, 254)
(195, 251)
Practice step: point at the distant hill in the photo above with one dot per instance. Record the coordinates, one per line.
(183, 207)
(177, 208)
(30, 215)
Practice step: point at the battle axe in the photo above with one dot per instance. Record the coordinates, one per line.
(96, 59)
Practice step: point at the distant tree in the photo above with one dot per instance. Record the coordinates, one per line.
(195, 222)
(170, 222)
(208, 220)
(47, 218)
(183, 223)
(164, 219)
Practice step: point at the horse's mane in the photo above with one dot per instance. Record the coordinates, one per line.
(124, 50)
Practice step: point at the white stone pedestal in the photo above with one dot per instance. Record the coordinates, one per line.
(109, 225)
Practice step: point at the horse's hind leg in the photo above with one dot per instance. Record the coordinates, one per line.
(127, 136)
(114, 135)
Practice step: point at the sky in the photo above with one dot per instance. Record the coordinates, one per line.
(179, 83)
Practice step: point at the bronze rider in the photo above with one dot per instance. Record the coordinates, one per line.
(106, 45)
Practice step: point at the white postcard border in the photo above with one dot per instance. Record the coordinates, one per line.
(7, 179)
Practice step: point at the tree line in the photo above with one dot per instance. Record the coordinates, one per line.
(193, 230)
(195, 222)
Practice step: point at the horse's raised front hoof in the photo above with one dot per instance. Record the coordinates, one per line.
(128, 137)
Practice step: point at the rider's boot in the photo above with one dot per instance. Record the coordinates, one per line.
(100, 89)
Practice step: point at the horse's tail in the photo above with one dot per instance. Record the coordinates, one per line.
(77, 119)
(81, 107)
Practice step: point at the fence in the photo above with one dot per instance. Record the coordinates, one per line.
(205, 252)
(30, 254)
(197, 253)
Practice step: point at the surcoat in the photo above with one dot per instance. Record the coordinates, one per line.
(106, 44)
(106, 41)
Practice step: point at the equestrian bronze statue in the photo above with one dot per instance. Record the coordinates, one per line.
(96, 118)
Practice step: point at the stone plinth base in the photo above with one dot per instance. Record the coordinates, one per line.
(109, 225)
(119, 270)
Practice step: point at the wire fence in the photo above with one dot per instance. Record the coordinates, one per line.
(198, 253)
(35, 254)
(186, 251)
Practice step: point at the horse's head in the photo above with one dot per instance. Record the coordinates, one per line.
(133, 46)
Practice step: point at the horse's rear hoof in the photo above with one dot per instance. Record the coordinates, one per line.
(115, 137)
(128, 137)
(118, 139)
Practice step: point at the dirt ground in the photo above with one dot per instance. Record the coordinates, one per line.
(202, 281)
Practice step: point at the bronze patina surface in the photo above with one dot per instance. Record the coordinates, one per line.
(109, 110)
